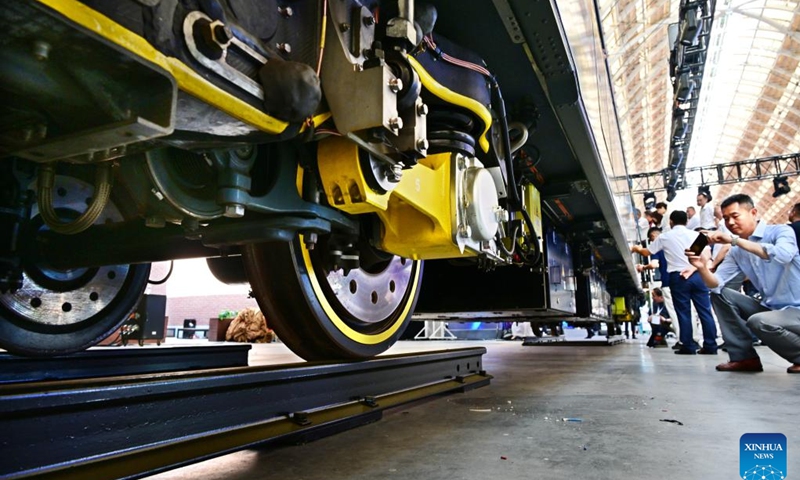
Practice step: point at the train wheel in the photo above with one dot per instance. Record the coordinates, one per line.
(57, 312)
(322, 315)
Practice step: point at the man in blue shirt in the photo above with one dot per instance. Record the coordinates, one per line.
(685, 284)
(794, 221)
(768, 256)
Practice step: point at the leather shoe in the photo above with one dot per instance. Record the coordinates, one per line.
(684, 351)
(794, 368)
(747, 365)
(677, 346)
(704, 351)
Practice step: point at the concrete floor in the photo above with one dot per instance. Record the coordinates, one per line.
(515, 428)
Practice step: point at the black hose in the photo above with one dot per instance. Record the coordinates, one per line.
(513, 193)
(166, 277)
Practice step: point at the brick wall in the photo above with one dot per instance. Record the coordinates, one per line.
(192, 292)
(201, 308)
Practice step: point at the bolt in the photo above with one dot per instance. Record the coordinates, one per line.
(422, 144)
(395, 85)
(234, 210)
(286, 11)
(465, 230)
(395, 173)
(285, 48)
(344, 27)
(396, 123)
(158, 194)
(422, 109)
(222, 34)
(462, 163)
(41, 50)
(310, 240)
(369, 21)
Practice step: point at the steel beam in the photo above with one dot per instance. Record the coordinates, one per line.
(720, 173)
(115, 361)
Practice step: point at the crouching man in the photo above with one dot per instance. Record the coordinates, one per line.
(768, 256)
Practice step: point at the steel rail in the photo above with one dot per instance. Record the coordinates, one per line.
(132, 426)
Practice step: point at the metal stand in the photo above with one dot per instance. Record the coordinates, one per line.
(528, 341)
(435, 330)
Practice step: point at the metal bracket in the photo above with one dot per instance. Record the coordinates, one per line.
(220, 66)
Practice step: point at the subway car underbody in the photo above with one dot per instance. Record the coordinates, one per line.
(359, 163)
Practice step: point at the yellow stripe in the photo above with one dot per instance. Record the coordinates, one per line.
(340, 324)
(450, 96)
(188, 80)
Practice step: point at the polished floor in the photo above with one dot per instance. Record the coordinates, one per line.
(551, 412)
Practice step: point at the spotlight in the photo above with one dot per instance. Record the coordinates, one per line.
(781, 185)
(649, 200)
(685, 87)
(671, 193)
(691, 26)
(678, 129)
(704, 190)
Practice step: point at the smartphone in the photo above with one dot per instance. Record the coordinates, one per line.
(699, 244)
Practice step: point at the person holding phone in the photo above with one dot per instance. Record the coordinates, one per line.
(768, 256)
(685, 284)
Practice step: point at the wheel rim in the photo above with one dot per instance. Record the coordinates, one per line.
(53, 309)
(57, 312)
(315, 323)
(365, 299)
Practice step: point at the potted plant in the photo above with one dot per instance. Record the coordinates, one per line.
(218, 326)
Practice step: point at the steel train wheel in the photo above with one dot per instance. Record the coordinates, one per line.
(323, 315)
(57, 312)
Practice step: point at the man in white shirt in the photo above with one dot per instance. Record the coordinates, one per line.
(706, 211)
(685, 284)
(694, 220)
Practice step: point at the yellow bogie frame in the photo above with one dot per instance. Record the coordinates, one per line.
(417, 217)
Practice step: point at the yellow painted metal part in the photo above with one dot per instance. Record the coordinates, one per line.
(532, 203)
(417, 216)
(418, 222)
(450, 96)
(187, 79)
(343, 180)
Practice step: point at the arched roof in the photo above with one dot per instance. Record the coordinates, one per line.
(749, 104)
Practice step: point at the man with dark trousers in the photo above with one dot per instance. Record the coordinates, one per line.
(685, 284)
(768, 255)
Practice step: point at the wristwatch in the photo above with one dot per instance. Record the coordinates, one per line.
(734, 240)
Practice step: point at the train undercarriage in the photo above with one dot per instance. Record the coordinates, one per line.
(357, 162)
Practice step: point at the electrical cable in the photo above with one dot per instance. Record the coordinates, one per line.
(502, 245)
(322, 35)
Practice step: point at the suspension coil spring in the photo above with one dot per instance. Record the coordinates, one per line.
(450, 131)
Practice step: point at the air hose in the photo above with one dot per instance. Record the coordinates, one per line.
(102, 190)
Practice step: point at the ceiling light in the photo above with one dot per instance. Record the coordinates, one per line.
(781, 185)
(685, 87)
(705, 190)
(649, 200)
(691, 26)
